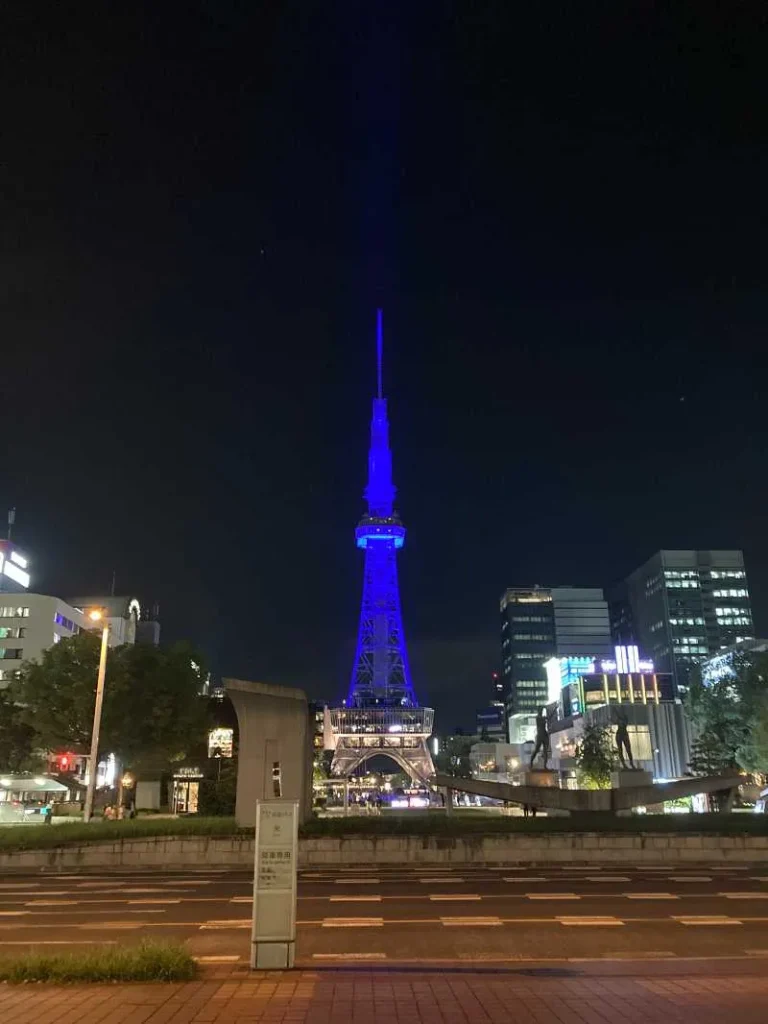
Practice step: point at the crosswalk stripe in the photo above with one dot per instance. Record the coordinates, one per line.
(607, 878)
(357, 881)
(535, 878)
(441, 881)
(744, 895)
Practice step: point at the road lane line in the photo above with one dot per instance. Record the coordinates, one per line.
(744, 895)
(445, 880)
(355, 899)
(534, 878)
(111, 925)
(713, 919)
(236, 922)
(249, 899)
(349, 956)
(52, 903)
(58, 942)
(552, 896)
(353, 922)
(14, 913)
(144, 902)
(470, 922)
(690, 878)
(357, 881)
(651, 896)
(607, 878)
(454, 896)
(590, 921)
(223, 959)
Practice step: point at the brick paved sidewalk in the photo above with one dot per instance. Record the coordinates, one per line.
(391, 997)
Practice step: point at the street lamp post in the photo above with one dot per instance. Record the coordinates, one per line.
(95, 616)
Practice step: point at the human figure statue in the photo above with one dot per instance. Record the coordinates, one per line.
(623, 745)
(542, 737)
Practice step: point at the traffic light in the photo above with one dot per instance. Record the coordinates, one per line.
(64, 762)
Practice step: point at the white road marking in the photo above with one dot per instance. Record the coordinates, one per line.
(651, 896)
(441, 881)
(589, 921)
(216, 959)
(357, 881)
(119, 925)
(690, 878)
(349, 956)
(13, 913)
(19, 885)
(534, 878)
(136, 902)
(756, 952)
(58, 942)
(470, 922)
(758, 878)
(241, 899)
(455, 896)
(607, 878)
(353, 922)
(237, 922)
(552, 896)
(707, 920)
(355, 899)
(52, 903)
(744, 895)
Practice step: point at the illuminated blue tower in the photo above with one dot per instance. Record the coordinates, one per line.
(381, 714)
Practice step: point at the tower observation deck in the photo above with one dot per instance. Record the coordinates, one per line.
(381, 714)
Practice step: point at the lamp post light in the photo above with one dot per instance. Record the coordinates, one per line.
(96, 616)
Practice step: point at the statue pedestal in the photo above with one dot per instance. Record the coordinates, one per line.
(538, 777)
(626, 778)
(630, 778)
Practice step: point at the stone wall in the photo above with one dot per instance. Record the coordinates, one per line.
(573, 847)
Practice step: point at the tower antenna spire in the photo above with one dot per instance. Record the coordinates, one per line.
(379, 344)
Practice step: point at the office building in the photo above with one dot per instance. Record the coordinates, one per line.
(600, 691)
(31, 623)
(538, 623)
(682, 607)
(491, 723)
(123, 615)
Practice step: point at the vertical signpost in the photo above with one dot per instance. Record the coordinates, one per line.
(273, 931)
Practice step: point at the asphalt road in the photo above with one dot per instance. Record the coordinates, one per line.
(412, 916)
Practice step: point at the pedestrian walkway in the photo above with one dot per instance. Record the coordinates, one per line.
(518, 996)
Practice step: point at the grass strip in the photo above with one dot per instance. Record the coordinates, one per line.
(150, 961)
(462, 823)
(43, 837)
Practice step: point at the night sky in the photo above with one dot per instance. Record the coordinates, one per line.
(561, 209)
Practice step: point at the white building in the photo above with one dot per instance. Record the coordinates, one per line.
(31, 623)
